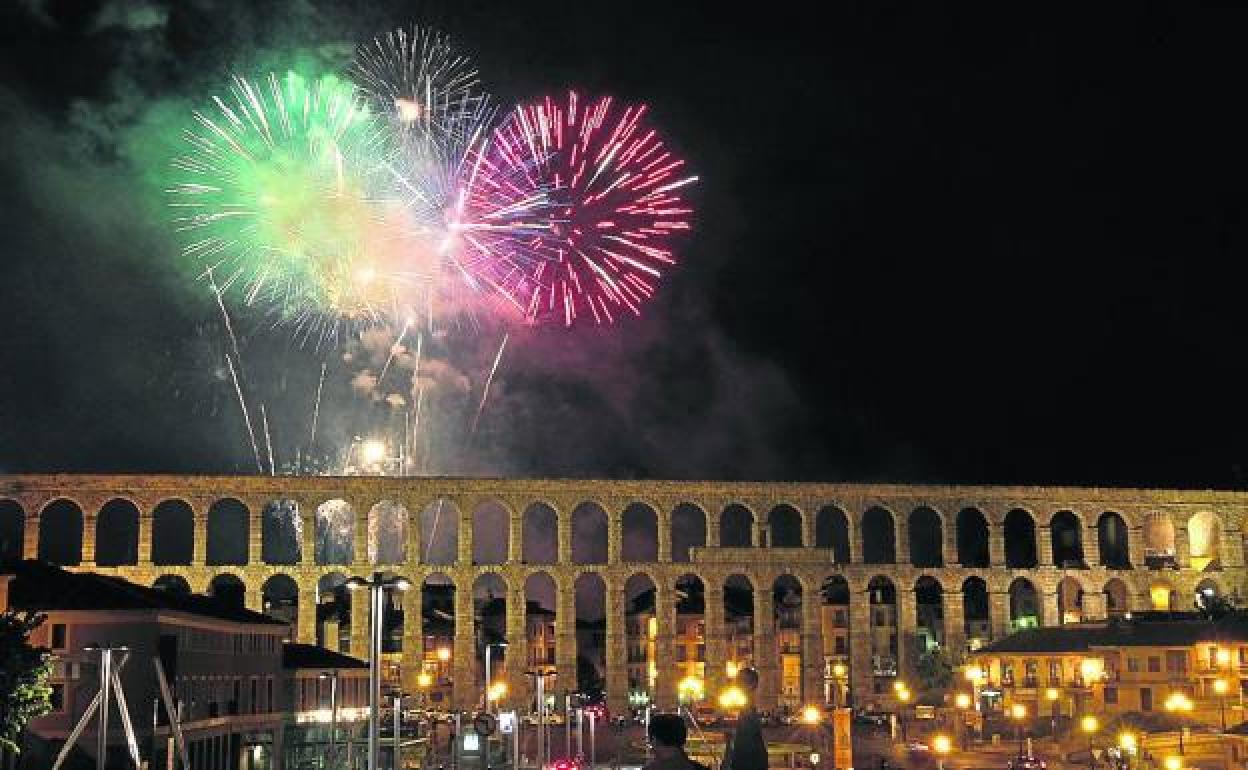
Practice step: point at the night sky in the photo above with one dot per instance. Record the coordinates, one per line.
(931, 244)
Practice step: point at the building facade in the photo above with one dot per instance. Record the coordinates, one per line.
(1121, 666)
(223, 666)
(954, 567)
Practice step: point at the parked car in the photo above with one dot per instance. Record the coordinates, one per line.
(1026, 763)
(877, 718)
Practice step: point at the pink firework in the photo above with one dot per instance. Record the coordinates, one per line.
(601, 241)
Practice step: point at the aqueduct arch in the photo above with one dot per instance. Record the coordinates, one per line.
(287, 545)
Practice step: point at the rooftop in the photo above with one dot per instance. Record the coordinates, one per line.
(42, 587)
(1142, 629)
(295, 656)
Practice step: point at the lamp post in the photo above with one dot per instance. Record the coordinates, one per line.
(332, 676)
(839, 670)
(975, 675)
(1090, 724)
(1051, 695)
(903, 696)
(963, 702)
(488, 682)
(1019, 712)
(941, 745)
(1220, 687)
(377, 586)
(397, 694)
(1128, 743)
(1178, 703)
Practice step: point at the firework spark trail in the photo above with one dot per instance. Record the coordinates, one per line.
(485, 392)
(255, 449)
(398, 342)
(433, 531)
(316, 409)
(268, 439)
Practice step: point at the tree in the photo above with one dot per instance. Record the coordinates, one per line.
(24, 670)
(934, 671)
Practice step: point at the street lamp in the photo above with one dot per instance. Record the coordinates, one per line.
(975, 675)
(1173, 763)
(1178, 703)
(1019, 712)
(1090, 724)
(1128, 743)
(903, 696)
(489, 684)
(839, 672)
(941, 745)
(377, 587)
(811, 715)
(332, 676)
(691, 689)
(1220, 686)
(963, 702)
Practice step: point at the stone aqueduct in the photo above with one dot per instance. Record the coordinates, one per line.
(1165, 543)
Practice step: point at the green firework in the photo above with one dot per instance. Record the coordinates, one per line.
(273, 196)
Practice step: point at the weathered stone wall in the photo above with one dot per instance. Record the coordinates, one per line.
(761, 564)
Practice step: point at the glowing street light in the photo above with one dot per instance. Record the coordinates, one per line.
(424, 680)
(1220, 688)
(1179, 703)
(691, 688)
(1089, 724)
(1223, 656)
(962, 700)
(444, 654)
(811, 715)
(731, 668)
(1173, 763)
(1051, 695)
(1127, 742)
(1018, 712)
(497, 691)
(733, 699)
(941, 745)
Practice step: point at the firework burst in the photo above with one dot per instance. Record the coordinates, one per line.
(602, 244)
(275, 199)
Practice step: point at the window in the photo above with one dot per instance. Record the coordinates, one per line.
(1055, 672)
(58, 697)
(681, 654)
(1133, 665)
(1111, 695)
(1154, 664)
(1146, 699)
(1176, 661)
(840, 645)
(838, 618)
(255, 683)
(268, 687)
(58, 636)
(701, 652)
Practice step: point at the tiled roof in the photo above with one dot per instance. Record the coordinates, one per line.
(295, 656)
(1162, 629)
(43, 587)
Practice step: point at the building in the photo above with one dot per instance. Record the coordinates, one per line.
(223, 665)
(913, 567)
(325, 691)
(1122, 665)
